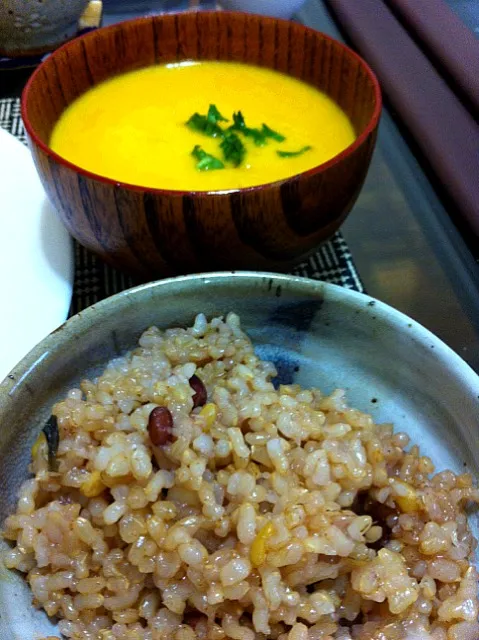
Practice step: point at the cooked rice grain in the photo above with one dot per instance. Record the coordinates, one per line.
(273, 513)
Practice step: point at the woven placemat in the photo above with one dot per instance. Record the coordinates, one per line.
(94, 280)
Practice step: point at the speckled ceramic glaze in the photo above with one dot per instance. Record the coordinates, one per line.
(317, 334)
(36, 26)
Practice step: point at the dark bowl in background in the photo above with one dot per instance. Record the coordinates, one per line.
(157, 232)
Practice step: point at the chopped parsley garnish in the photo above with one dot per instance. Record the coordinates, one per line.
(239, 124)
(206, 162)
(208, 125)
(259, 136)
(270, 133)
(231, 145)
(233, 149)
(293, 154)
(214, 115)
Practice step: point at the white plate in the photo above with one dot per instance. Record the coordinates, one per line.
(36, 257)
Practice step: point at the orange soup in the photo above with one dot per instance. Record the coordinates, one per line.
(201, 126)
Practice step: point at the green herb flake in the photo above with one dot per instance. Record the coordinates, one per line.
(233, 149)
(206, 162)
(238, 121)
(214, 115)
(270, 133)
(239, 124)
(208, 125)
(293, 154)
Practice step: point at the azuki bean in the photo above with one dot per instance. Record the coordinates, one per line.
(381, 514)
(160, 426)
(200, 396)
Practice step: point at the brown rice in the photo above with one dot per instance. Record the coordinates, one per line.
(271, 513)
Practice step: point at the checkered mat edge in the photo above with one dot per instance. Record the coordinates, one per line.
(94, 280)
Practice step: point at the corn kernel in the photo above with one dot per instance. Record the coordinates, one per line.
(354, 563)
(375, 454)
(406, 497)
(254, 470)
(93, 485)
(209, 413)
(111, 483)
(40, 445)
(257, 552)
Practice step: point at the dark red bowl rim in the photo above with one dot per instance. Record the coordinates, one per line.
(371, 126)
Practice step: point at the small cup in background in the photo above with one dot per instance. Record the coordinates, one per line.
(31, 27)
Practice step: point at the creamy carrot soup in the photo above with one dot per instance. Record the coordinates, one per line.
(201, 126)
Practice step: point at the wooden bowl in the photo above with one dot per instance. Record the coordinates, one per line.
(156, 232)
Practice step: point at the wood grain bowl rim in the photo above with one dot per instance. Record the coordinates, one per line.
(368, 130)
